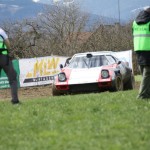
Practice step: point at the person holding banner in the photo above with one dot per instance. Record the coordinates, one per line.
(141, 35)
(7, 66)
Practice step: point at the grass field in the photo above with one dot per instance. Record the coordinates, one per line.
(101, 121)
(104, 121)
(138, 78)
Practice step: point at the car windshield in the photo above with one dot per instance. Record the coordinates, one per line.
(88, 62)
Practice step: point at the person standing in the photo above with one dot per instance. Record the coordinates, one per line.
(7, 66)
(141, 38)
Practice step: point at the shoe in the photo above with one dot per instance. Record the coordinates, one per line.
(142, 98)
(15, 102)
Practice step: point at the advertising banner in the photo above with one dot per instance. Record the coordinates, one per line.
(3, 78)
(125, 56)
(39, 71)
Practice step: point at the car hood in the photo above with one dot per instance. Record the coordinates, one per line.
(86, 75)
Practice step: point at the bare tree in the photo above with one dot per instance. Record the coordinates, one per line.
(62, 26)
(113, 37)
(23, 36)
(55, 31)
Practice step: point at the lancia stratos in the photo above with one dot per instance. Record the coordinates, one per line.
(93, 72)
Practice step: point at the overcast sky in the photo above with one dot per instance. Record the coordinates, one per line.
(109, 8)
(93, 6)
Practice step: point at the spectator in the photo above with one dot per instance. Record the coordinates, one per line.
(141, 35)
(6, 65)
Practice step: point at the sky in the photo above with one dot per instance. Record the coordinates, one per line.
(107, 8)
(87, 5)
(111, 8)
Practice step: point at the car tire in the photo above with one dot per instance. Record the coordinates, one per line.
(118, 84)
(54, 91)
(130, 84)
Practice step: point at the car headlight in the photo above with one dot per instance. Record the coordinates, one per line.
(62, 77)
(104, 74)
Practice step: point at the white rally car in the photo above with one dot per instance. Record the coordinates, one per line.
(93, 72)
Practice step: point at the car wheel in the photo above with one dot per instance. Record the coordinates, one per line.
(118, 84)
(130, 84)
(54, 91)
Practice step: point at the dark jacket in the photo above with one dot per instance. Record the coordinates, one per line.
(144, 56)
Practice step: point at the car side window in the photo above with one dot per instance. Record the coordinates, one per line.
(67, 61)
(111, 59)
(104, 60)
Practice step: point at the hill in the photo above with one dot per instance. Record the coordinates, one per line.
(112, 11)
(19, 9)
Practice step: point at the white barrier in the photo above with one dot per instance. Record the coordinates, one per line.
(125, 56)
(39, 71)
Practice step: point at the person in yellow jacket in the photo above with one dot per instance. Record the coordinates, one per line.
(141, 38)
(6, 65)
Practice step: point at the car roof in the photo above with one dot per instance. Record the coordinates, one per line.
(93, 53)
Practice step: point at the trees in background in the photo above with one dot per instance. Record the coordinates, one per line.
(23, 37)
(61, 26)
(62, 31)
(56, 31)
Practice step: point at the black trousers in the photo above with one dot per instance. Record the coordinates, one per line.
(6, 65)
(144, 91)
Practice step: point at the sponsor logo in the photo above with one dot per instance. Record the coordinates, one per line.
(43, 70)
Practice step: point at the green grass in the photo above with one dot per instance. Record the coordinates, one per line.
(138, 78)
(105, 121)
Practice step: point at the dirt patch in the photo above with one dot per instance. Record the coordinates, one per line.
(28, 92)
(34, 92)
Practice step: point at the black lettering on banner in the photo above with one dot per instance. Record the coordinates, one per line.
(29, 80)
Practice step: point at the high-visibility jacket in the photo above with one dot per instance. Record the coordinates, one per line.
(141, 34)
(3, 47)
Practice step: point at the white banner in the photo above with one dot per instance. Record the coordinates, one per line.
(125, 56)
(39, 71)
